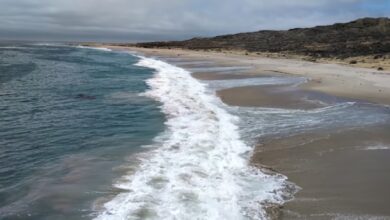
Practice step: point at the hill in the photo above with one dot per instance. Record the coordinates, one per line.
(366, 36)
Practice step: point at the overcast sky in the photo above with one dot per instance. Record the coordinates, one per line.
(145, 20)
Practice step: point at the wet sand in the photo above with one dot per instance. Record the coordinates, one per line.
(210, 76)
(344, 172)
(270, 96)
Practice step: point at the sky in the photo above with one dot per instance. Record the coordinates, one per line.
(150, 20)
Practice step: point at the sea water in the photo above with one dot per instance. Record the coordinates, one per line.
(69, 119)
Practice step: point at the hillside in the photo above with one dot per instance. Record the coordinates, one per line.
(366, 36)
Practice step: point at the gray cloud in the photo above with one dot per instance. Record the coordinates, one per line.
(136, 20)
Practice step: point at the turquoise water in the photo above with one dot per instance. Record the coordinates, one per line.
(69, 116)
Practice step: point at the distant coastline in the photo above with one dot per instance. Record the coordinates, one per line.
(339, 79)
(363, 43)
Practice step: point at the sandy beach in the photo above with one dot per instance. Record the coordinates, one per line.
(340, 80)
(341, 168)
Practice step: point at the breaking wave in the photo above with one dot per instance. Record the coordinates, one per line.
(199, 168)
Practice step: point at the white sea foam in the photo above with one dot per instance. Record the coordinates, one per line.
(258, 81)
(94, 48)
(12, 47)
(49, 44)
(375, 147)
(200, 169)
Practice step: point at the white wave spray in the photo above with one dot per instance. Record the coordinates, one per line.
(94, 48)
(200, 170)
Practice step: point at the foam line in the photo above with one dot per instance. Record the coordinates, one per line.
(200, 170)
(95, 48)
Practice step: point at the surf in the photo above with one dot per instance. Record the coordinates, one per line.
(199, 167)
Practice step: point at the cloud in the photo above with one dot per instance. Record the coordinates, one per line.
(143, 20)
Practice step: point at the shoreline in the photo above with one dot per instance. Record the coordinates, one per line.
(211, 175)
(365, 84)
(328, 83)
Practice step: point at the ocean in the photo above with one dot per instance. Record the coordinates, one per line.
(70, 117)
(90, 133)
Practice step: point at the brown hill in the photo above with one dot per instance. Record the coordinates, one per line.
(366, 36)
